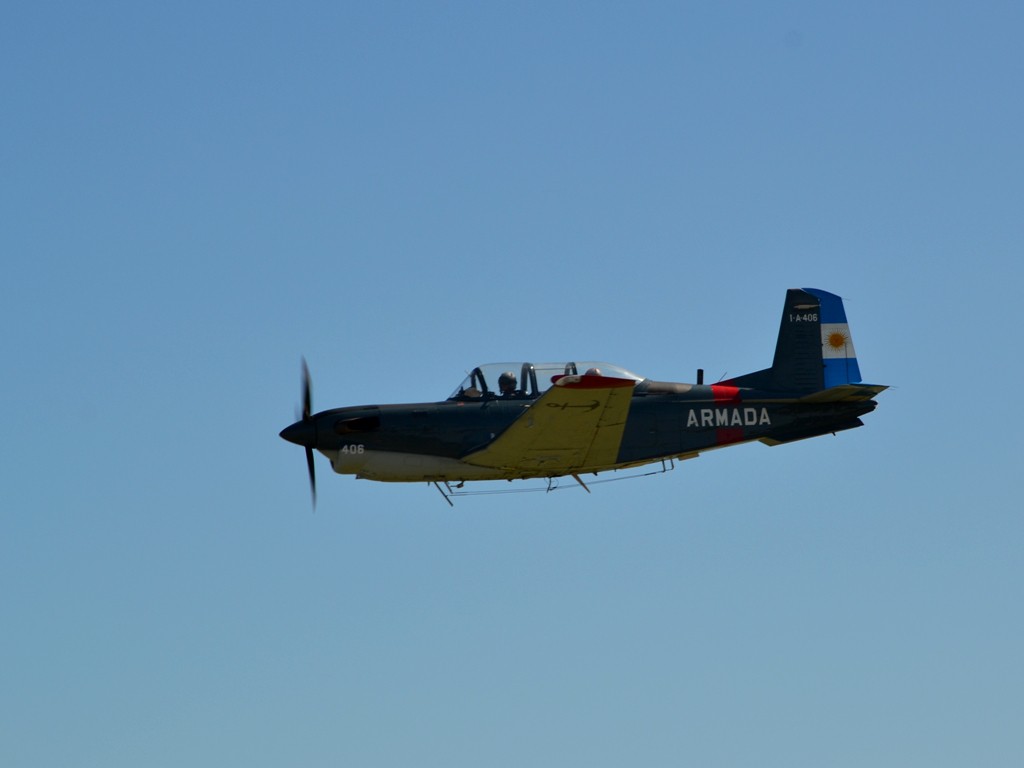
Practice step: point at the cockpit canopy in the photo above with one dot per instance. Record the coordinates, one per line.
(526, 381)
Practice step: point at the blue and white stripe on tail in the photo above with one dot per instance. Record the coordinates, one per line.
(837, 352)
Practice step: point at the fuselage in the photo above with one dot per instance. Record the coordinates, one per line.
(429, 441)
(530, 420)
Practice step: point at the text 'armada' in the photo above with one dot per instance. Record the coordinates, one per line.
(728, 417)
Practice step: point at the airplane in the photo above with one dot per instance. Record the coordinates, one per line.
(553, 420)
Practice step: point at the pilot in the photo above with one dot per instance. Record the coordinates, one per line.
(593, 372)
(507, 384)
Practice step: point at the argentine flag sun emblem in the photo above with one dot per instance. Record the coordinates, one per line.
(836, 341)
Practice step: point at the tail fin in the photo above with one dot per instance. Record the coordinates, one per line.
(814, 350)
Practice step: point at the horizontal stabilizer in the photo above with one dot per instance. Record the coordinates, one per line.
(845, 393)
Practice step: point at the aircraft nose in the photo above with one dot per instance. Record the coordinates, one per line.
(301, 433)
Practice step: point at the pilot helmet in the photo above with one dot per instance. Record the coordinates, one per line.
(507, 383)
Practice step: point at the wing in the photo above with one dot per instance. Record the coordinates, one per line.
(576, 425)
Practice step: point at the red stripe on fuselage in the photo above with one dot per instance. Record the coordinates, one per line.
(723, 393)
(726, 435)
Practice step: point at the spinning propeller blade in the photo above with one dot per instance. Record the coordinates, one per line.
(312, 475)
(307, 388)
(307, 409)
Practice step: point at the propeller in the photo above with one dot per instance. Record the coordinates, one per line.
(303, 432)
(307, 410)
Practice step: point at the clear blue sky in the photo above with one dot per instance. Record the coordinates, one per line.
(194, 195)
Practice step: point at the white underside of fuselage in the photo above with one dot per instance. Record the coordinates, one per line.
(390, 466)
(394, 467)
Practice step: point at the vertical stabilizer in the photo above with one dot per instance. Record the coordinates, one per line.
(814, 350)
